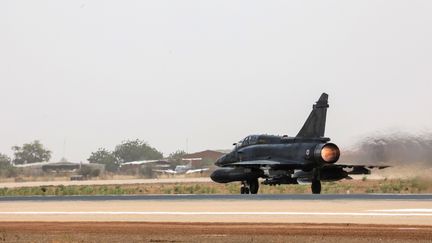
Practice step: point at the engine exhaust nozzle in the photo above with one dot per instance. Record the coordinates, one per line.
(327, 153)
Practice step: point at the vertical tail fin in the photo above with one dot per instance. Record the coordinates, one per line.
(314, 126)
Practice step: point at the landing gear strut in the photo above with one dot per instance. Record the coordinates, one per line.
(249, 186)
(316, 186)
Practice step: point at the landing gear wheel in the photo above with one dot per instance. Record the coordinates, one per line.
(247, 190)
(253, 186)
(316, 186)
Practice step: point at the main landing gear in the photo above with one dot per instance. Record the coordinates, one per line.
(316, 186)
(252, 186)
(249, 186)
(316, 182)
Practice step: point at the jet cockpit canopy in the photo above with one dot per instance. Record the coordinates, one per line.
(257, 139)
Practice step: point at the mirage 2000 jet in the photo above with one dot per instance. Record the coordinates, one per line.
(308, 157)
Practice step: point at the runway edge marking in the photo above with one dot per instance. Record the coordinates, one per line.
(221, 213)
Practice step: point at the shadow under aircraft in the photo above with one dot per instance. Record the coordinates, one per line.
(308, 157)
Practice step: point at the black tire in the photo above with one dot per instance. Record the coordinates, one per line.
(246, 190)
(316, 187)
(253, 186)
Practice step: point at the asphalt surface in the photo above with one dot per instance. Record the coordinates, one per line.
(263, 208)
(258, 197)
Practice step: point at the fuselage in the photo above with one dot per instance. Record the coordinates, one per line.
(291, 152)
(181, 168)
(268, 156)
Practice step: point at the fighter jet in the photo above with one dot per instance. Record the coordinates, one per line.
(308, 157)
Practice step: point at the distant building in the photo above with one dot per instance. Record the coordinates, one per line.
(57, 167)
(61, 167)
(207, 157)
(39, 167)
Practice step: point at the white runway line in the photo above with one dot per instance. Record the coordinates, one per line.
(404, 210)
(383, 214)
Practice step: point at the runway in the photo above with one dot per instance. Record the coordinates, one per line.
(358, 209)
(256, 197)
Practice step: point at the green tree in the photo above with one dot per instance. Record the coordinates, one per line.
(5, 162)
(103, 156)
(31, 153)
(6, 168)
(177, 157)
(133, 150)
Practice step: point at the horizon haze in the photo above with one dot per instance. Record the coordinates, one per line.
(194, 75)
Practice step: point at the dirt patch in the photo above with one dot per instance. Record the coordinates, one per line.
(208, 232)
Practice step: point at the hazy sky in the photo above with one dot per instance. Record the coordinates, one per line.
(94, 73)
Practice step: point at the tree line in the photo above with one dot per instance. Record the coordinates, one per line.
(28, 153)
(126, 151)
